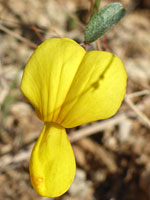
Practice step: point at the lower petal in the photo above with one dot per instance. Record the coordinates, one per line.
(52, 163)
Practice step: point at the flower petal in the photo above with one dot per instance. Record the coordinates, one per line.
(97, 90)
(48, 75)
(52, 163)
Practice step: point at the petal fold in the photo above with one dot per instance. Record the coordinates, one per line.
(52, 163)
(48, 75)
(97, 90)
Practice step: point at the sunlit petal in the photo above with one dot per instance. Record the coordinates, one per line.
(48, 75)
(97, 90)
(52, 163)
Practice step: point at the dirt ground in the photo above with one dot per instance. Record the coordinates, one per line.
(113, 156)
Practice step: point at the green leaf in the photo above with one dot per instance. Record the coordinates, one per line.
(103, 21)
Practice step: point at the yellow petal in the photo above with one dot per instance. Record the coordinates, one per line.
(97, 90)
(48, 75)
(52, 164)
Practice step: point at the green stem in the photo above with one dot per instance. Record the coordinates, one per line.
(96, 6)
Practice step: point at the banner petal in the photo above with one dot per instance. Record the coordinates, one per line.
(48, 75)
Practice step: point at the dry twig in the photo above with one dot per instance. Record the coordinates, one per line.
(90, 11)
(98, 45)
(18, 158)
(140, 114)
(99, 126)
(105, 44)
(19, 37)
(99, 152)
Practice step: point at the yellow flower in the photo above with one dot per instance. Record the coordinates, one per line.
(67, 87)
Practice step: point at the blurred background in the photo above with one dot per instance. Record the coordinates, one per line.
(113, 156)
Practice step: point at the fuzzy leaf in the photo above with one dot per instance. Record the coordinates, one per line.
(103, 21)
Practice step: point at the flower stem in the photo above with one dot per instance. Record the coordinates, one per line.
(96, 6)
